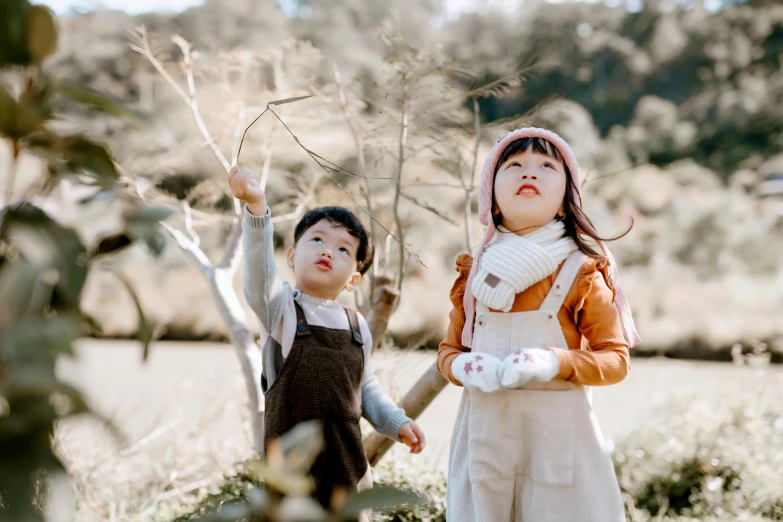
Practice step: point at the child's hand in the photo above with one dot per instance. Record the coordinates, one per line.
(477, 371)
(412, 436)
(245, 187)
(528, 364)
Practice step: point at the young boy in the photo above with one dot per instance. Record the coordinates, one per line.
(317, 354)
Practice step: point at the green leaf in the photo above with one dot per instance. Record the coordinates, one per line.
(145, 214)
(40, 94)
(40, 340)
(145, 329)
(111, 245)
(282, 480)
(50, 246)
(84, 155)
(7, 111)
(13, 33)
(41, 32)
(380, 498)
(92, 323)
(289, 100)
(142, 223)
(302, 445)
(18, 118)
(23, 291)
(102, 102)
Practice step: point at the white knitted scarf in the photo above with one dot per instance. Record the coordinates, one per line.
(510, 263)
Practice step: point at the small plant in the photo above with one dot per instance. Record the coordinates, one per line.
(279, 488)
(699, 460)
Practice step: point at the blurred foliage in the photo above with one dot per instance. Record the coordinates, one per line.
(676, 79)
(43, 263)
(43, 268)
(279, 489)
(720, 464)
(704, 458)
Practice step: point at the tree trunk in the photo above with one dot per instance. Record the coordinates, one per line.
(382, 305)
(414, 403)
(248, 351)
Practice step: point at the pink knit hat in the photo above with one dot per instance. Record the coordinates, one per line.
(485, 217)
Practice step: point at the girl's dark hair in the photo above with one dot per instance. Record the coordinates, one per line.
(343, 217)
(576, 222)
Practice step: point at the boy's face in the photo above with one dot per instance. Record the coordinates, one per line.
(529, 190)
(324, 260)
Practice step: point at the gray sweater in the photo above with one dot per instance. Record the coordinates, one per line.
(272, 300)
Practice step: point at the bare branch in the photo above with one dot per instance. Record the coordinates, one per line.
(403, 139)
(190, 248)
(143, 47)
(429, 208)
(303, 202)
(189, 224)
(471, 185)
(359, 144)
(188, 67)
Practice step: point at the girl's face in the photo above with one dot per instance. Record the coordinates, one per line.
(529, 190)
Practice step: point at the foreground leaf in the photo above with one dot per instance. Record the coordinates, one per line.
(102, 102)
(41, 33)
(380, 498)
(289, 100)
(145, 330)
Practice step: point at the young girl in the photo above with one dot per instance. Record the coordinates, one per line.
(539, 315)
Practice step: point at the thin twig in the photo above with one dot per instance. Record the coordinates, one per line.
(190, 248)
(438, 185)
(359, 144)
(429, 208)
(247, 129)
(328, 171)
(145, 50)
(337, 168)
(303, 202)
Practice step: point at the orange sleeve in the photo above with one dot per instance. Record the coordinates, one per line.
(451, 346)
(606, 361)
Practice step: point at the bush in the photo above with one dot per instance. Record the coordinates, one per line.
(409, 476)
(703, 460)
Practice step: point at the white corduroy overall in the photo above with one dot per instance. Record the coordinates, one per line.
(535, 454)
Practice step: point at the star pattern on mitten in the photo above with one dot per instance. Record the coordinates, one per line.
(468, 367)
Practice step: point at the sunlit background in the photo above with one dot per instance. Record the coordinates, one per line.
(673, 108)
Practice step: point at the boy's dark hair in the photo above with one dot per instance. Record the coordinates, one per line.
(343, 217)
(575, 220)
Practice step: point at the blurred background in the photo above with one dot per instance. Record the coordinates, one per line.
(674, 109)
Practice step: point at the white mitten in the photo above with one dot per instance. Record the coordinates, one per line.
(528, 364)
(477, 371)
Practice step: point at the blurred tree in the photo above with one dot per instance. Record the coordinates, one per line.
(44, 263)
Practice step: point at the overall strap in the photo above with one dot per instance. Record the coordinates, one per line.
(565, 279)
(302, 328)
(353, 320)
